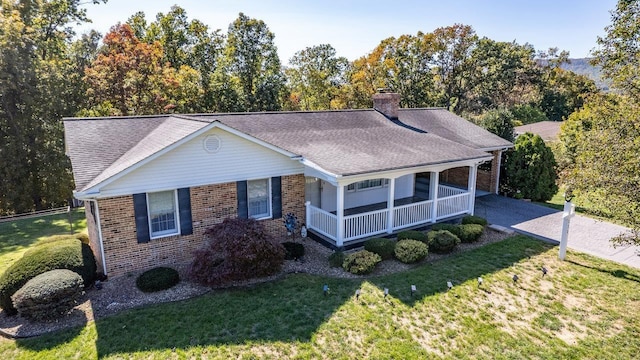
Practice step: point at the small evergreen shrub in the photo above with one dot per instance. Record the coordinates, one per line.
(454, 229)
(236, 249)
(49, 295)
(442, 241)
(361, 262)
(410, 251)
(381, 246)
(336, 259)
(156, 279)
(472, 219)
(78, 236)
(69, 254)
(469, 233)
(293, 251)
(413, 235)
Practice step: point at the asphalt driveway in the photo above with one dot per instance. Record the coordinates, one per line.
(585, 234)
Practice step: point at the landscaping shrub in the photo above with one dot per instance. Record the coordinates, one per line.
(469, 232)
(381, 246)
(156, 279)
(454, 229)
(410, 251)
(69, 254)
(49, 295)
(336, 259)
(361, 262)
(413, 235)
(442, 241)
(236, 249)
(78, 236)
(293, 251)
(472, 219)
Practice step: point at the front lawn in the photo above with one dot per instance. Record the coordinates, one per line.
(584, 308)
(17, 236)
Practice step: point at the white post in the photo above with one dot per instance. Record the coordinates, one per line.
(433, 191)
(569, 212)
(390, 199)
(471, 187)
(340, 214)
(307, 206)
(499, 163)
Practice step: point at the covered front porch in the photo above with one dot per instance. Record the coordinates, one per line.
(412, 200)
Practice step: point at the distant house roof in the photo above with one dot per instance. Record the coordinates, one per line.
(548, 130)
(346, 142)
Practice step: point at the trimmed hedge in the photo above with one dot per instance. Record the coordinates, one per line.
(472, 219)
(442, 241)
(69, 254)
(293, 251)
(78, 236)
(413, 235)
(156, 279)
(336, 259)
(410, 251)
(470, 232)
(361, 262)
(454, 229)
(381, 246)
(49, 295)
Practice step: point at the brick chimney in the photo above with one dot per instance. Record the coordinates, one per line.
(387, 103)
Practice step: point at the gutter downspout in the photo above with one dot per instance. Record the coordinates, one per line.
(99, 226)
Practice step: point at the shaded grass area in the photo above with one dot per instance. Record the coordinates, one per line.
(17, 236)
(583, 308)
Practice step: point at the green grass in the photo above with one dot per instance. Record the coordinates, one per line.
(585, 308)
(17, 236)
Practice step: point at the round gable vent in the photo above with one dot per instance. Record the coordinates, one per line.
(212, 143)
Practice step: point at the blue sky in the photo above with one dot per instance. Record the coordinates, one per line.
(355, 27)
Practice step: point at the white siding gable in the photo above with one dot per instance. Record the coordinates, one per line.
(191, 165)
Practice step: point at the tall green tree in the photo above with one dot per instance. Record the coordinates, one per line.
(601, 143)
(499, 122)
(251, 60)
(315, 75)
(38, 82)
(619, 50)
(530, 169)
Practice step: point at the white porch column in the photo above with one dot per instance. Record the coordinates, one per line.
(498, 164)
(307, 205)
(340, 214)
(471, 187)
(390, 204)
(433, 191)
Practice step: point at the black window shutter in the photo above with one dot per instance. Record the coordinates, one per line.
(184, 204)
(276, 196)
(142, 219)
(243, 204)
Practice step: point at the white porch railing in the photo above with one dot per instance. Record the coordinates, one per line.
(322, 221)
(412, 214)
(453, 205)
(450, 202)
(445, 191)
(364, 225)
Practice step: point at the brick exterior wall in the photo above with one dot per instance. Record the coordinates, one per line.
(495, 171)
(210, 205)
(456, 176)
(92, 230)
(486, 179)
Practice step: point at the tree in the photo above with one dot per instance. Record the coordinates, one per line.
(601, 143)
(530, 169)
(619, 52)
(38, 85)
(499, 122)
(315, 75)
(251, 60)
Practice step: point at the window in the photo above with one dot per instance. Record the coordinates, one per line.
(163, 218)
(368, 184)
(259, 199)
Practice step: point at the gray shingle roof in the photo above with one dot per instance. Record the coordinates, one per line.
(345, 142)
(548, 130)
(100, 148)
(450, 126)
